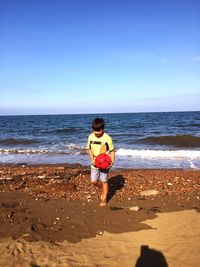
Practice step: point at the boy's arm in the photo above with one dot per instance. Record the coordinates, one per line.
(112, 156)
(91, 157)
(90, 152)
(112, 151)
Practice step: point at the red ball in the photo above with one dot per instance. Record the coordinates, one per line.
(102, 161)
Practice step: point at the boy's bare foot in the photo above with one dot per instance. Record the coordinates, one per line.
(103, 203)
(103, 200)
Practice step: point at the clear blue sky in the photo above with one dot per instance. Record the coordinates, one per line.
(79, 56)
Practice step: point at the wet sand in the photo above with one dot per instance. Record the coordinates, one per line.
(50, 216)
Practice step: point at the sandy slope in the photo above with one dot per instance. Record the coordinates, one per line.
(174, 240)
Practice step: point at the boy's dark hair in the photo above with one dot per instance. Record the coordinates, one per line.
(98, 124)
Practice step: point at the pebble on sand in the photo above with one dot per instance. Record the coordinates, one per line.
(149, 193)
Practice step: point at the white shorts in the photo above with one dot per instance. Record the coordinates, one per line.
(102, 175)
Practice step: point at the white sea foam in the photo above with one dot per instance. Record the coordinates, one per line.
(23, 151)
(57, 149)
(148, 153)
(192, 165)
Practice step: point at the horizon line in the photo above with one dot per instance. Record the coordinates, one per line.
(98, 113)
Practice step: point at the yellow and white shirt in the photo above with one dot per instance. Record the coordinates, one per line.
(100, 145)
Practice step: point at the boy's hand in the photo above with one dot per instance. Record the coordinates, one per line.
(110, 165)
(93, 162)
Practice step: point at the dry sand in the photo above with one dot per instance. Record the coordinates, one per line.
(174, 240)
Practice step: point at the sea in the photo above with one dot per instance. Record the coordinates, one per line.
(141, 140)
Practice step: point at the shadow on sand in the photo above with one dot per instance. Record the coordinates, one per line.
(151, 258)
(115, 183)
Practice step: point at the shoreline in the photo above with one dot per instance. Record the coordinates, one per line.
(78, 165)
(72, 181)
(149, 191)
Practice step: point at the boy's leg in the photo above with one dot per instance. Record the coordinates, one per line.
(98, 184)
(104, 192)
(95, 178)
(104, 181)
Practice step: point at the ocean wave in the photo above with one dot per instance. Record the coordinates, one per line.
(66, 130)
(76, 149)
(170, 140)
(14, 141)
(150, 153)
(66, 150)
(187, 125)
(23, 151)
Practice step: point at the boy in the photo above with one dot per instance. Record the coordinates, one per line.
(100, 142)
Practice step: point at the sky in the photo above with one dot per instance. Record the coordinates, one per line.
(92, 56)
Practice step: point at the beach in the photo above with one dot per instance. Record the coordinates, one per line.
(50, 216)
(84, 78)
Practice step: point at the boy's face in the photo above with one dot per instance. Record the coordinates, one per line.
(98, 133)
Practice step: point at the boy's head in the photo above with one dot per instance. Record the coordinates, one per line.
(98, 126)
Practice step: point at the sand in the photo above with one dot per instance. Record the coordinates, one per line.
(174, 240)
(42, 229)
